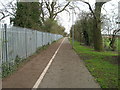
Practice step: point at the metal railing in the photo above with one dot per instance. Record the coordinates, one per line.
(22, 42)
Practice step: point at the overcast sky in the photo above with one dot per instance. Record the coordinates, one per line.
(66, 20)
(110, 7)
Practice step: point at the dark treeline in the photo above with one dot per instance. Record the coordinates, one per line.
(83, 29)
(28, 15)
(84, 33)
(88, 27)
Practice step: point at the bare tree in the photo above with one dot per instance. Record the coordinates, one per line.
(8, 10)
(51, 9)
(48, 8)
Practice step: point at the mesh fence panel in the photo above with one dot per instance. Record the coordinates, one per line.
(22, 42)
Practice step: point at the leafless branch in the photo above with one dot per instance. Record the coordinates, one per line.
(62, 8)
(5, 11)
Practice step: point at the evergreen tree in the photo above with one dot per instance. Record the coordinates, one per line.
(27, 15)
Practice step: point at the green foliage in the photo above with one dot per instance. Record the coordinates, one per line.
(83, 29)
(5, 69)
(17, 60)
(98, 63)
(106, 43)
(48, 24)
(11, 66)
(52, 26)
(118, 44)
(27, 15)
(95, 32)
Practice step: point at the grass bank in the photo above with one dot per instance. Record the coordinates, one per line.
(102, 65)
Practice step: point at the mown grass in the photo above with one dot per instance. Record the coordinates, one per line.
(106, 43)
(104, 71)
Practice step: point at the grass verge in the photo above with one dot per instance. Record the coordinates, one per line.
(102, 65)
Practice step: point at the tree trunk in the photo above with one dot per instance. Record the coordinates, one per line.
(98, 43)
(112, 43)
(86, 37)
(113, 39)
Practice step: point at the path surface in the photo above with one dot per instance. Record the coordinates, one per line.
(66, 70)
(28, 74)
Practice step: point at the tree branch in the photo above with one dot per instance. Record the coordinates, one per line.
(90, 9)
(62, 9)
(5, 11)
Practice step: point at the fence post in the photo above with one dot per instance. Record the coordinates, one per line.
(2, 44)
(6, 47)
(25, 41)
(36, 40)
(42, 38)
(1, 50)
(5, 27)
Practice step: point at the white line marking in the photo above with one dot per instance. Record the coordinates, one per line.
(47, 67)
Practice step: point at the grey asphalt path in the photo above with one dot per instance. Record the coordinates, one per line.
(68, 71)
